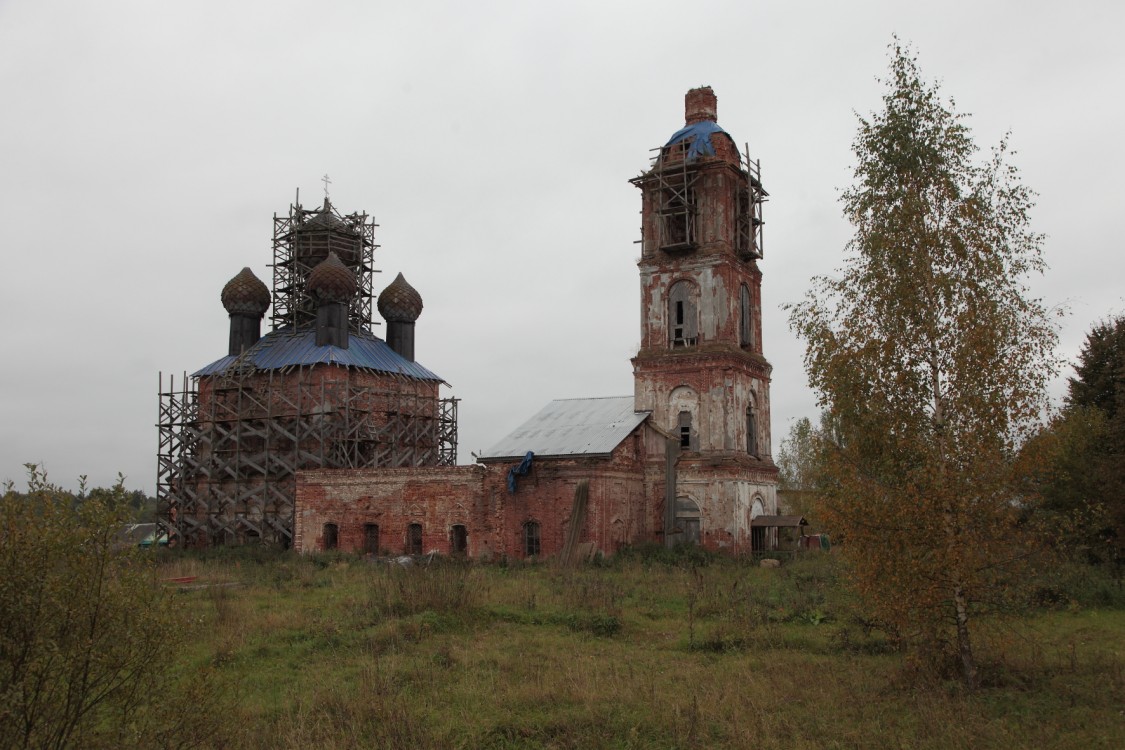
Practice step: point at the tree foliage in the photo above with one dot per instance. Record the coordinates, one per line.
(796, 456)
(1100, 385)
(1077, 463)
(800, 463)
(85, 629)
(931, 358)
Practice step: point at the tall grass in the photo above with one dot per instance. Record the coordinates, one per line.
(643, 651)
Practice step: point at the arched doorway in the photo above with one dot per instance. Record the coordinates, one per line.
(687, 521)
(458, 540)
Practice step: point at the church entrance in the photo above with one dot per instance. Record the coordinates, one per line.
(687, 520)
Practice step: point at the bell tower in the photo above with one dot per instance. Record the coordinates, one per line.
(700, 369)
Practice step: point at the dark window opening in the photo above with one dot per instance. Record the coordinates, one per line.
(677, 219)
(371, 538)
(751, 430)
(682, 314)
(531, 539)
(745, 319)
(331, 536)
(414, 539)
(458, 540)
(686, 441)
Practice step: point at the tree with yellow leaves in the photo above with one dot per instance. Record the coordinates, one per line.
(931, 358)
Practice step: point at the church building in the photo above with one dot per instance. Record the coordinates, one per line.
(685, 459)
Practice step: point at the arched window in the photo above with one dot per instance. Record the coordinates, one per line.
(745, 318)
(414, 539)
(531, 539)
(458, 540)
(752, 427)
(371, 538)
(331, 536)
(687, 441)
(683, 314)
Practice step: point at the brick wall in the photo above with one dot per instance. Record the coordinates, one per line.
(477, 498)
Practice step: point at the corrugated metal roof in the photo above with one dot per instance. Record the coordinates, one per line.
(287, 348)
(572, 427)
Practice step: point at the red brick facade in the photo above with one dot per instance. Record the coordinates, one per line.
(477, 498)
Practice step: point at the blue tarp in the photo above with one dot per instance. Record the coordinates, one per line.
(700, 134)
(519, 471)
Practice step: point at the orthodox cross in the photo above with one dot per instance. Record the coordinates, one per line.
(326, 182)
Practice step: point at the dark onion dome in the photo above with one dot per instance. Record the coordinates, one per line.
(400, 302)
(245, 294)
(331, 281)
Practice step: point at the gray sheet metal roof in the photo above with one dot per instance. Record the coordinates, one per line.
(572, 427)
(286, 348)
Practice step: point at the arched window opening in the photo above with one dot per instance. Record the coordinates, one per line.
(752, 428)
(531, 539)
(683, 314)
(371, 538)
(331, 536)
(458, 540)
(687, 441)
(745, 319)
(757, 533)
(414, 539)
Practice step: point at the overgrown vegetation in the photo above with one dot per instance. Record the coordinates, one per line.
(252, 647)
(652, 649)
(85, 630)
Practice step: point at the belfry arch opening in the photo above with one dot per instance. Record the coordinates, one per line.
(683, 314)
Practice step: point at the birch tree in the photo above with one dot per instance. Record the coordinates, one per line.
(931, 358)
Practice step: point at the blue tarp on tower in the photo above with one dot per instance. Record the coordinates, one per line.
(700, 134)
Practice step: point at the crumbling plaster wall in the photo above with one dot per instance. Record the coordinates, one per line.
(717, 389)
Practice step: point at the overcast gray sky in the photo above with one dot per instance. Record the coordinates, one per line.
(145, 146)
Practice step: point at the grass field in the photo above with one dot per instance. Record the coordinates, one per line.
(335, 652)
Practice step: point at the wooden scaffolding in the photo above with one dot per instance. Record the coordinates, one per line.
(230, 445)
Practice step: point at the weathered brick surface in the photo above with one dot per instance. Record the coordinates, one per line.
(256, 431)
(477, 498)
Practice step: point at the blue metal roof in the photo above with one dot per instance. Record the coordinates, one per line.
(288, 348)
(572, 427)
